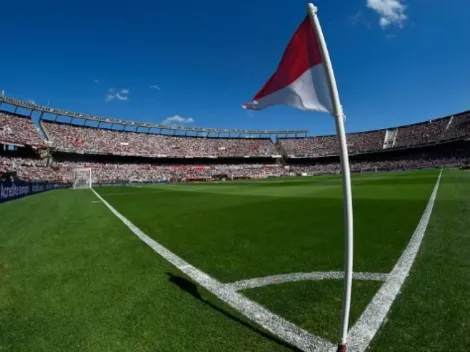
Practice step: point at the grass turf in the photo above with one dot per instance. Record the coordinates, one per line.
(433, 311)
(74, 278)
(229, 232)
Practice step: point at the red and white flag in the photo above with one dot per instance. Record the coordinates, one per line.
(300, 79)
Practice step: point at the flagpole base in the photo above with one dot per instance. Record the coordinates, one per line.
(341, 347)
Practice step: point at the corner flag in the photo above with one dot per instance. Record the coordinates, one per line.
(300, 79)
(305, 80)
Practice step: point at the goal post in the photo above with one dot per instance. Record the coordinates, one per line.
(81, 178)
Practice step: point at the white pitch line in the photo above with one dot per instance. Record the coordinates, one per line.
(316, 275)
(362, 333)
(273, 323)
(111, 194)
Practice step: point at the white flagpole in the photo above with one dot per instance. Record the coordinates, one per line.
(344, 158)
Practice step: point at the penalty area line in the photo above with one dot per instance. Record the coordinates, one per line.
(255, 312)
(362, 333)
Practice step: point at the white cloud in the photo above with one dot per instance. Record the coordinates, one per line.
(384, 22)
(96, 81)
(390, 12)
(117, 94)
(154, 86)
(177, 120)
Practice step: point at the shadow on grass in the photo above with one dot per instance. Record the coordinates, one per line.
(192, 289)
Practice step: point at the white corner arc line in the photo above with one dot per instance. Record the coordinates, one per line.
(362, 333)
(273, 323)
(312, 276)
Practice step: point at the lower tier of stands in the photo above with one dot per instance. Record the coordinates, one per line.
(27, 167)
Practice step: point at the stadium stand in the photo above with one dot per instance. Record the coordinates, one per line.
(27, 168)
(418, 160)
(131, 156)
(458, 127)
(328, 145)
(135, 173)
(30, 169)
(104, 141)
(421, 134)
(426, 133)
(17, 129)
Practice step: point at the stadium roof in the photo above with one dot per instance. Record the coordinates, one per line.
(74, 115)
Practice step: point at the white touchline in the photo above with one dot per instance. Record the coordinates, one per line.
(273, 323)
(316, 275)
(362, 333)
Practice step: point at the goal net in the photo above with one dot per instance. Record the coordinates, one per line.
(81, 178)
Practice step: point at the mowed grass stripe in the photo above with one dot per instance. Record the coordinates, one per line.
(433, 311)
(73, 278)
(235, 236)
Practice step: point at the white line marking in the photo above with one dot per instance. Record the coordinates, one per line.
(111, 194)
(273, 323)
(316, 275)
(362, 333)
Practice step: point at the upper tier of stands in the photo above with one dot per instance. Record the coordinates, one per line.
(426, 133)
(96, 141)
(19, 130)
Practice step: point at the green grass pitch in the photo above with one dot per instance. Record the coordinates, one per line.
(74, 278)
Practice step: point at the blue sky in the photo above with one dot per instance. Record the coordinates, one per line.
(396, 61)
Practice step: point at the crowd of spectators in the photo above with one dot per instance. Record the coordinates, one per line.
(19, 130)
(117, 172)
(31, 169)
(104, 141)
(328, 145)
(27, 169)
(459, 128)
(366, 141)
(430, 132)
(423, 133)
(419, 161)
(16, 129)
(310, 147)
